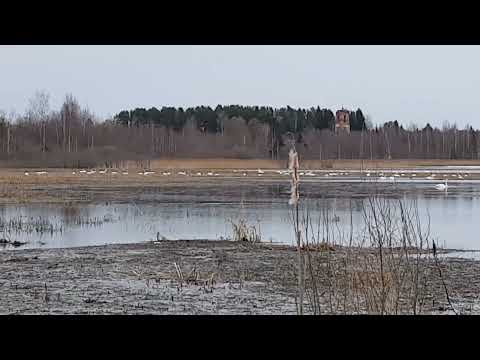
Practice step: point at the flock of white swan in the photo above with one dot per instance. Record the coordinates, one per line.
(379, 176)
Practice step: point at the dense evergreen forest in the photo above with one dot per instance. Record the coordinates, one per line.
(73, 136)
(281, 120)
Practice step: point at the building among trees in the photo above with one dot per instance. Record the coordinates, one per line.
(73, 137)
(342, 121)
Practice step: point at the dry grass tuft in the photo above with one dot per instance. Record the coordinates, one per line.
(242, 231)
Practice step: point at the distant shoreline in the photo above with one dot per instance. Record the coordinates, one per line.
(235, 163)
(117, 185)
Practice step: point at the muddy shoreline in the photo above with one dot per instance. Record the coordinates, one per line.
(219, 277)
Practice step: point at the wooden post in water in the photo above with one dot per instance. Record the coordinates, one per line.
(293, 166)
(8, 141)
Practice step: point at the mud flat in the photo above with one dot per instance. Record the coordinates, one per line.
(181, 277)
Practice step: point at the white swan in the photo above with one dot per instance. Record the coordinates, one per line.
(442, 186)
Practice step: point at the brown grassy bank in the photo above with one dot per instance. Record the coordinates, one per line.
(219, 163)
(282, 164)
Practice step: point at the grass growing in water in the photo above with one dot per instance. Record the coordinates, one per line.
(242, 231)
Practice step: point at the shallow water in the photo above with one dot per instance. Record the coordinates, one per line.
(204, 212)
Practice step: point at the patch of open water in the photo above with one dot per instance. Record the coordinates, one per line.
(204, 212)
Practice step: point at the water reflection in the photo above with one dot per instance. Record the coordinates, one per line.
(184, 212)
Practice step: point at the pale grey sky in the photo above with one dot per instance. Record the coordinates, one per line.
(406, 83)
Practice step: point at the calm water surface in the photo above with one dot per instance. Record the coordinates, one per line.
(205, 213)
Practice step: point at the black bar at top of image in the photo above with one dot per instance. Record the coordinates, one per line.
(290, 24)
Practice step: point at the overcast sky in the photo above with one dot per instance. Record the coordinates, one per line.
(406, 83)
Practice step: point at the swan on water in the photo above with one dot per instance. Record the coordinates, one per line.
(442, 186)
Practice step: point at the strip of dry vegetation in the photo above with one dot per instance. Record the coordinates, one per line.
(219, 164)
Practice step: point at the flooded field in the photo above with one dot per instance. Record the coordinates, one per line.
(191, 209)
(82, 244)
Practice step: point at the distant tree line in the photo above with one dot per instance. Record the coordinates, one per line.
(210, 120)
(73, 136)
